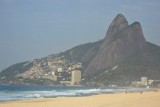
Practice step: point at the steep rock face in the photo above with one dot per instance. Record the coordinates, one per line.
(117, 25)
(120, 42)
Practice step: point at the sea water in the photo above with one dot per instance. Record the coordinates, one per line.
(23, 92)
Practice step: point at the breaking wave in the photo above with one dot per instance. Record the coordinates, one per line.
(10, 93)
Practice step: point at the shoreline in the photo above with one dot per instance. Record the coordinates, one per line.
(138, 90)
(89, 94)
(147, 99)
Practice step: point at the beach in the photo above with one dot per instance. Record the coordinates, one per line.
(137, 99)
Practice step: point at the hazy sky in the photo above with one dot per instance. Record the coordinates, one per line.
(32, 29)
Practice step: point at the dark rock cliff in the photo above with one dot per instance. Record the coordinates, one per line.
(121, 41)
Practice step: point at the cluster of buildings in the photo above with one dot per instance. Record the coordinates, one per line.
(75, 79)
(68, 75)
(54, 68)
(146, 83)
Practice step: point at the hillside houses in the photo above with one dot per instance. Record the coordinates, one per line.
(54, 68)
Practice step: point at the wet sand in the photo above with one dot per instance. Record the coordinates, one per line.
(145, 99)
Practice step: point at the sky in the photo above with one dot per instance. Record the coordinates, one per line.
(31, 29)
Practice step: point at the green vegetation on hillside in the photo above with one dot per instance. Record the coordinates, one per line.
(77, 53)
(12, 71)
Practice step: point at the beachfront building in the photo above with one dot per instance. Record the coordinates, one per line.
(136, 83)
(144, 81)
(65, 83)
(150, 82)
(76, 77)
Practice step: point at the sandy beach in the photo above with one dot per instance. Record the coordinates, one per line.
(145, 99)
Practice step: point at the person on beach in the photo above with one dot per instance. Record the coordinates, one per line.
(155, 91)
(126, 92)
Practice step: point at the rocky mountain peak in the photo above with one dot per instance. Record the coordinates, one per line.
(117, 24)
(121, 41)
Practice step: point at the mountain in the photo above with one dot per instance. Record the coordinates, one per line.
(144, 62)
(121, 57)
(121, 41)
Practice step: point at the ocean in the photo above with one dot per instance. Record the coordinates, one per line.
(24, 92)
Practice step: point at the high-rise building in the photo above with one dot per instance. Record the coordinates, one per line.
(144, 81)
(76, 77)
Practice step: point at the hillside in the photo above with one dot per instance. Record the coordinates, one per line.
(82, 53)
(33, 72)
(145, 62)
